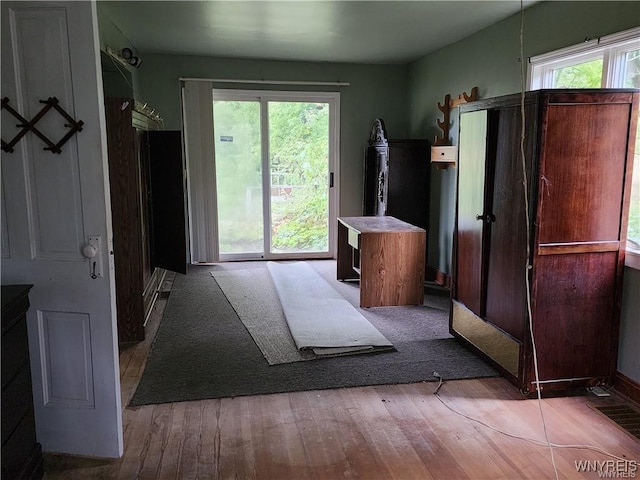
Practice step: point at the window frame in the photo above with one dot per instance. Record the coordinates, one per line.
(613, 50)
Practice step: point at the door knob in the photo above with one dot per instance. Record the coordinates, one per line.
(89, 251)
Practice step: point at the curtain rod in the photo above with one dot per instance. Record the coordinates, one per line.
(267, 82)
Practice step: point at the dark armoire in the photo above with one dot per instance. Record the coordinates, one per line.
(568, 257)
(147, 208)
(397, 177)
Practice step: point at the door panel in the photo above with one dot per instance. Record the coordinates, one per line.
(239, 193)
(54, 202)
(471, 180)
(299, 177)
(506, 265)
(408, 182)
(124, 177)
(594, 178)
(168, 217)
(575, 295)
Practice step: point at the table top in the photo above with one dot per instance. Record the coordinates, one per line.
(373, 224)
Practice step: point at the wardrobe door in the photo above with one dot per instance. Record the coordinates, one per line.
(507, 256)
(581, 195)
(168, 205)
(470, 221)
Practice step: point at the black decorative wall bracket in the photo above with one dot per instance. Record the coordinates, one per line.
(26, 125)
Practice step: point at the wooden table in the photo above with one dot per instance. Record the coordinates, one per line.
(387, 255)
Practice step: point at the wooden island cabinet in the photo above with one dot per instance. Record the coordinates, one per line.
(578, 147)
(386, 255)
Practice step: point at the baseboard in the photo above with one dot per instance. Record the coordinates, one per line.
(434, 275)
(627, 387)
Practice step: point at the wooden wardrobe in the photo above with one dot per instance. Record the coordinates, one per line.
(147, 209)
(578, 148)
(397, 177)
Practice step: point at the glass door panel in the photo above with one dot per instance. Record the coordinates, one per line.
(238, 141)
(299, 176)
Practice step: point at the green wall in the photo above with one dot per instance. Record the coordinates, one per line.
(375, 91)
(489, 60)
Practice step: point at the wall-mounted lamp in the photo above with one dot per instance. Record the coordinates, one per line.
(126, 56)
(131, 59)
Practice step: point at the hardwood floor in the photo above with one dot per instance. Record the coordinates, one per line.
(382, 432)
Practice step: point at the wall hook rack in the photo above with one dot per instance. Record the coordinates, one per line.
(445, 108)
(26, 125)
(443, 153)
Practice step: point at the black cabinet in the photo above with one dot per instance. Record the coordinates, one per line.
(21, 453)
(397, 177)
(168, 205)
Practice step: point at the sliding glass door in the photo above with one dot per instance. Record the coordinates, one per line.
(275, 157)
(238, 161)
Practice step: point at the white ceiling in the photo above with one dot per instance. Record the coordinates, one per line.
(313, 30)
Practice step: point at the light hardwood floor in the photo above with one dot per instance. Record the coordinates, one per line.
(382, 432)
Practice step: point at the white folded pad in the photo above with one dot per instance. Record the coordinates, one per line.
(320, 319)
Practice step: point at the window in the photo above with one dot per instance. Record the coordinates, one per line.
(607, 62)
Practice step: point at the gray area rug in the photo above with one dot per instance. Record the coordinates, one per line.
(319, 323)
(253, 296)
(202, 349)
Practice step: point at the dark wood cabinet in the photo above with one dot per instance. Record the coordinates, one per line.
(21, 453)
(135, 163)
(397, 177)
(578, 151)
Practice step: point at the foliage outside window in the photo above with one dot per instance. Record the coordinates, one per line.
(608, 62)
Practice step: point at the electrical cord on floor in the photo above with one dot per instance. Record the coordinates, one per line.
(534, 441)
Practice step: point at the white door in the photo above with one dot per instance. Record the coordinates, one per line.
(52, 203)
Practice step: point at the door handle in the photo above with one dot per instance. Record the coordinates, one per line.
(91, 251)
(486, 217)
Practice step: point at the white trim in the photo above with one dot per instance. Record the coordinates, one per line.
(265, 147)
(632, 258)
(624, 37)
(265, 82)
(611, 48)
